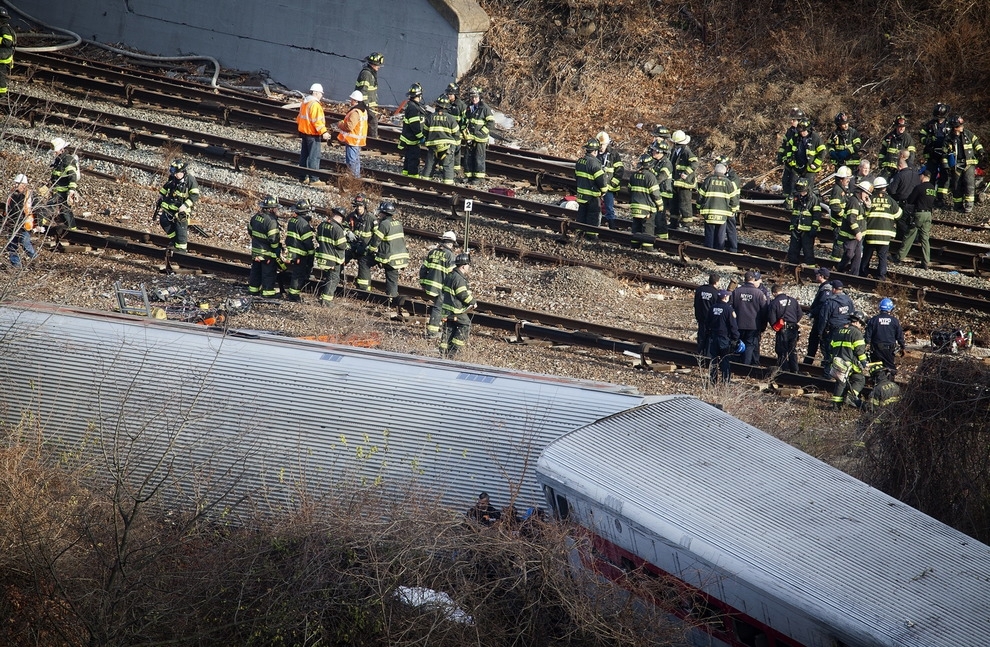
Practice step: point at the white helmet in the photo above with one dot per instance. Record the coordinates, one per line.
(356, 96)
(59, 144)
(449, 235)
(879, 183)
(603, 138)
(680, 138)
(20, 179)
(316, 87)
(843, 172)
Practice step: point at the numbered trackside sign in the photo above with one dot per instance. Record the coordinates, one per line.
(468, 205)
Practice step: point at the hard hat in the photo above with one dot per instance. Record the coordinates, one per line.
(741, 347)
(357, 95)
(801, 185)
(603, 138)
(475, 91)
(592, 145)
(376, 58)
(177, 166)
(302, 206)
(680, 138)
(900, 120)
(316, 87)
(452, 88)
(269, 202)
(661, 131)
(358, 200)
(841, 118)
(462, 259)
(721, 169)
(386, 207)
(338, 211)
(859, 315)
(415, 90)
(940, 110)
(449, 235)
(20, 178)
(442, 101)
(843, 172)
(58, 144)
(879, 183)
(797, 113)
(865, 186)
(886, 305)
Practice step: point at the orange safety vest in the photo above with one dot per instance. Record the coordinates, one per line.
(310, 119)
(354, 128)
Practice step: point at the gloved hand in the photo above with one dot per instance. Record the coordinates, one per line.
(901, 353)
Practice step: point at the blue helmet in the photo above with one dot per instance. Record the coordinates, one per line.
(886, 305)
(741, 347)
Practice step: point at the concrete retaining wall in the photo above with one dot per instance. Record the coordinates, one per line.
(297, 41)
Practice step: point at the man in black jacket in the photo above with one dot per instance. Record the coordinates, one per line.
(705, 297)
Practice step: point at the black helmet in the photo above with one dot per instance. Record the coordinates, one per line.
(338, 211)
(442, 101)
(940, 110)
(415, 90)
(302, 206)
(797, 113)
(4, 16)
(592, 145)
(841, 118)
(359, 201)
(804, 124)
(723, 159)
(900, 120)
(176, 166)
(376, 58)
(645, 159)
(269, 202)
(661, 131)
(658, 147)
(957, 120)
(387, 207)
(475, 91)
(452, 88)
(801, 184)
(859, 315)
(462, 259)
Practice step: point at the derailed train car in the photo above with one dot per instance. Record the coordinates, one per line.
(761, 544)
(227, 417)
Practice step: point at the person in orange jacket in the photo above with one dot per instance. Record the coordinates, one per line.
(312, 126)
(353, 131)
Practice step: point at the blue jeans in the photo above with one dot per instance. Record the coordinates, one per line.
(21, 240)
(608, 200)
(309, 155)
(352, 156)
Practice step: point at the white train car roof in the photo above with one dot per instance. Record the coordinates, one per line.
(783, 521)
(276, 414)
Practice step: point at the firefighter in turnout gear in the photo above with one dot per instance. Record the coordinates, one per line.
(266, 248)
(367, 85)
(934, 137)
(457, 300)
(891, 146)
(300, 243)
(841, 191)
(442, 135)
(806, 212)
(664, 171)
(884, 336)
(844, 144)
(847, 250)
(718, 200)
(848, 351)
(8, 40)
(835, 314)
(614, 169)
(645, 203)
(363, 225)
(731, 226)
(885, 390)
(806, 153)
(413, 131)
(477, 128)
(439, 262)
(388, 244)
(964, 149)
(881, 227)
(175, 204)
(64, 183)
(332, 241)
(786, 141)
(685, 164)
(590, 186)
(459, 111)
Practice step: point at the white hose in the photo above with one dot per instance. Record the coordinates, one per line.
(77, 39)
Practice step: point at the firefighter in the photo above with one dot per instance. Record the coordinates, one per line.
(332, 241)
(590, 179)
(786, 141)
(934, 138)
(835, 314)
(806, 153)
(388, 244)
(884, 336)
(848, 351)
(457, 300)
(847, 250)
(964, 149)
(439, 262)
(685, 164)
(885, 390)
(881, 227)
(8, 40)
(841, 190)
(64, 183)
(413, 131)
(477, 127)
(844, 144)
(806, 211)
(459, 110)
(441, 141)
(175, 204)
(363, 225)
(367, 85)
(266, 248)
(644, 203)
(614, 169)
(731, 226)
(664, 171)
(893, 143)
(718, 200)
(300, 243)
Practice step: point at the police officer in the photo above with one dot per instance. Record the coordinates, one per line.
(884, 335)
(266, 248)
(457, 300)
(822, 275)
(176, 200)
(300, 243)
(332, 242)
(848, 364)
(723, 338)
(750, 305)
(835, 314)
(439, 262)
(388, 244)
(784, 313)
(705, 297)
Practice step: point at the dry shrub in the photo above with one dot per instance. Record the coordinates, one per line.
(932, 449)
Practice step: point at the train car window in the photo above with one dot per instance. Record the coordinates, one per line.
(618, 526)
(748, 634)
(707, 614)
(563, 509)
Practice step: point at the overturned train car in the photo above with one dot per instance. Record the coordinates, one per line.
(760, 544)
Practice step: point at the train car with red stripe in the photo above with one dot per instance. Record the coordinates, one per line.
(760, 544)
